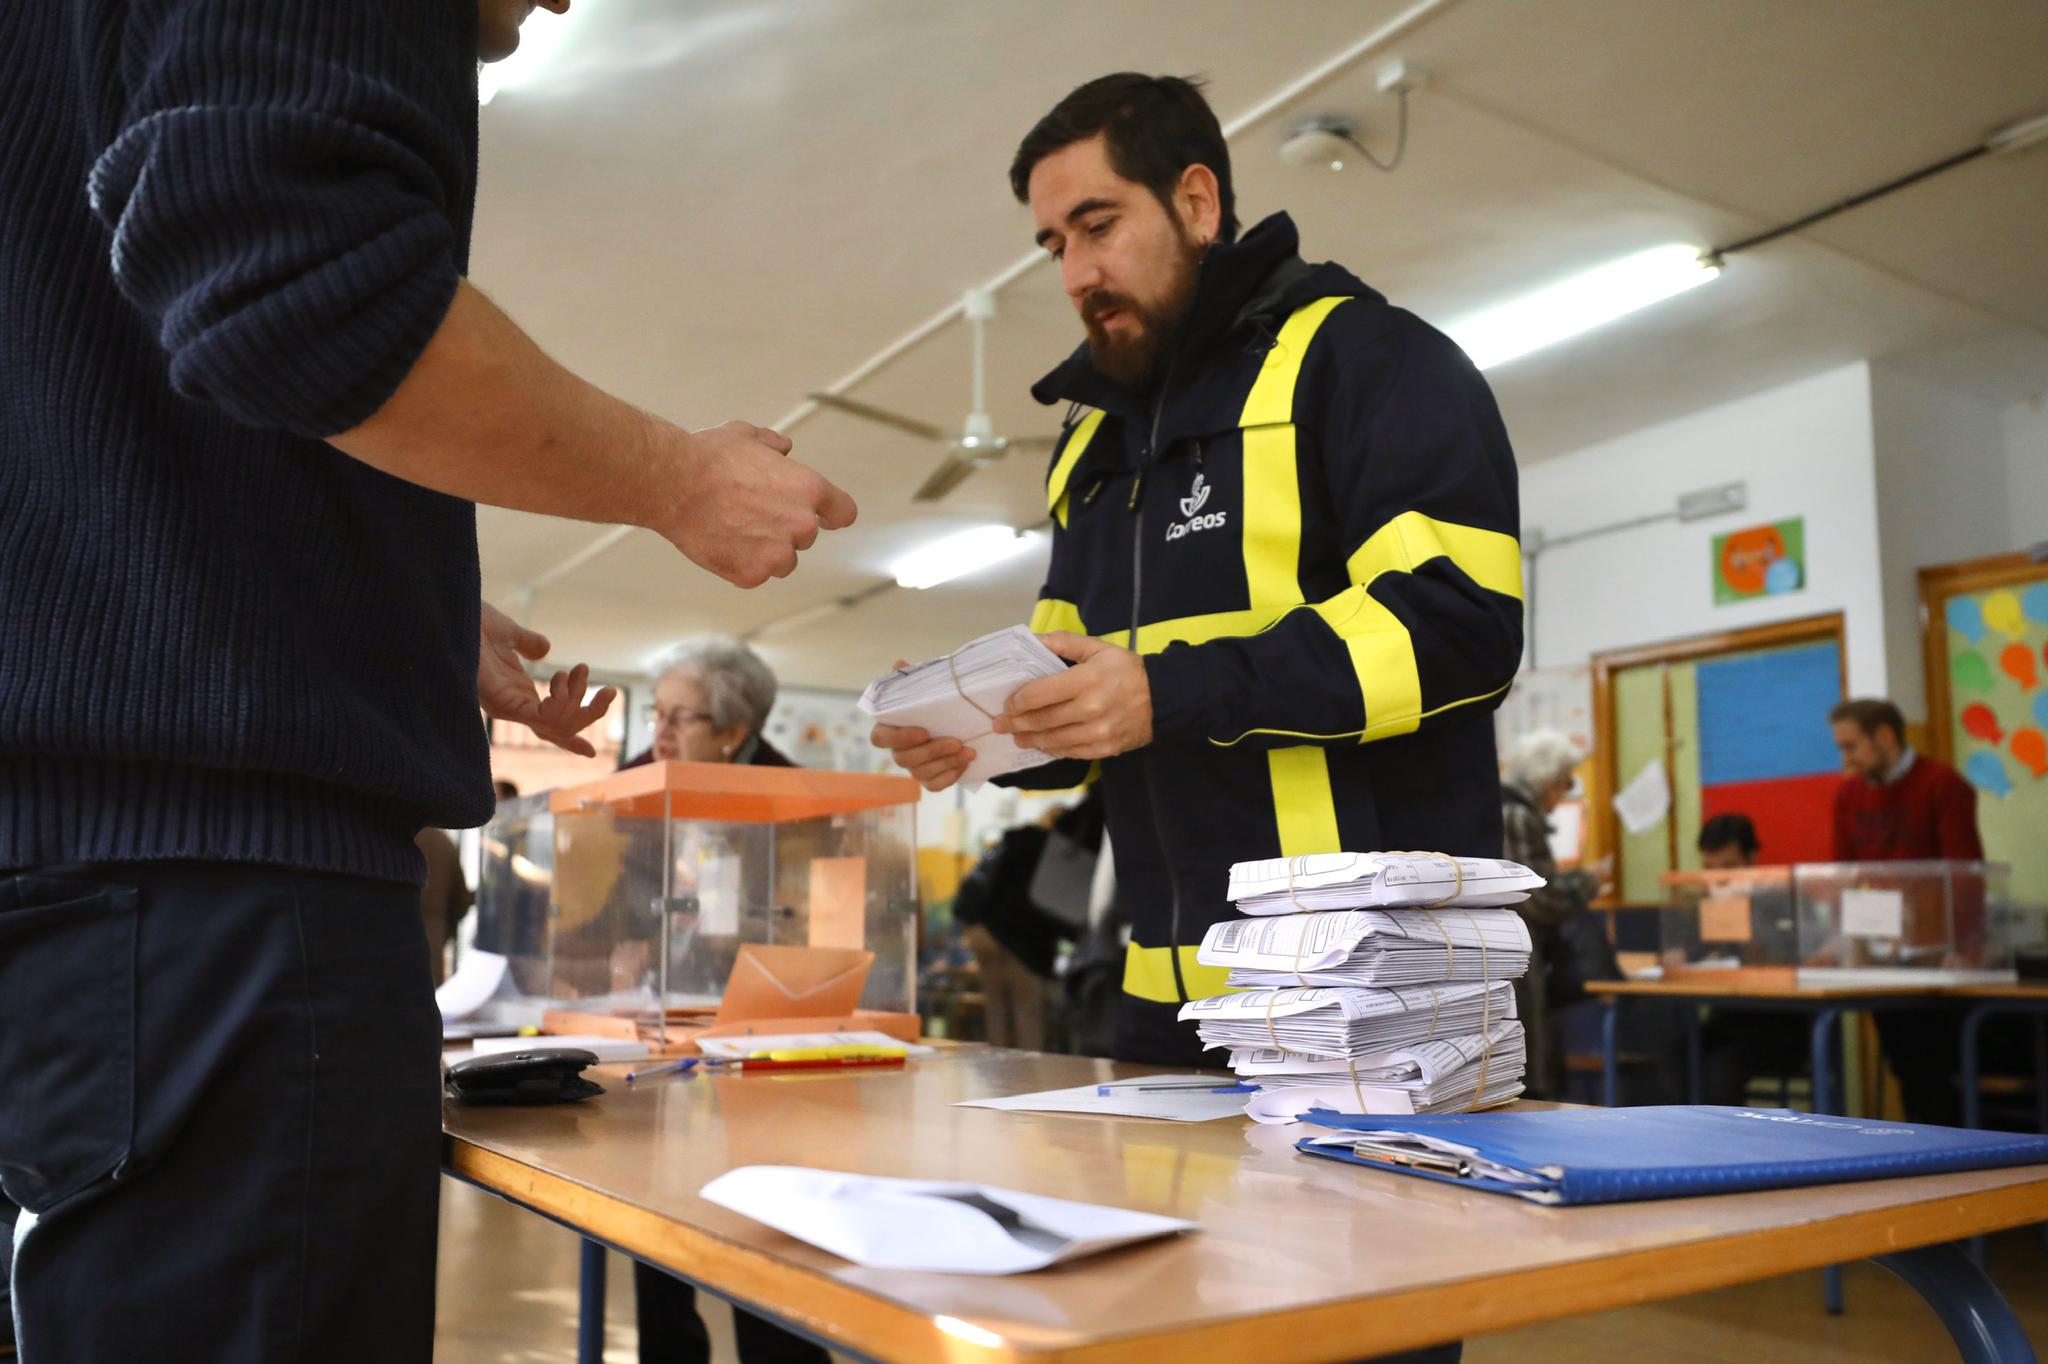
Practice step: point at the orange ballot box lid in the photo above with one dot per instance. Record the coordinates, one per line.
(733, 793)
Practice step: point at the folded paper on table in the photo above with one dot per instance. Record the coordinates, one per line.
(1125, 1100)
(794, 982)
(476, 979)
(915, 1224)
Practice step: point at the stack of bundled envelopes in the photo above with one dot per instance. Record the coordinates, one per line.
(1372, 982)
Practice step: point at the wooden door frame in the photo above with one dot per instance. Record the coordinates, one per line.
(1938, 583)
(1825, 628)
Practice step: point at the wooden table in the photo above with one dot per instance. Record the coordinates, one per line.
(1296, 1258)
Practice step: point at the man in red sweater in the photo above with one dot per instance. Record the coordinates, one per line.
(1896, 804)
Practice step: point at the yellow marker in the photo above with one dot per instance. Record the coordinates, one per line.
(529, 1031)
(861, 1051)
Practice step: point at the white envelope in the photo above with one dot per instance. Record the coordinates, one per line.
(926, 1224)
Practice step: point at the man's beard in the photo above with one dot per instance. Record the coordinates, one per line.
(1133, 362)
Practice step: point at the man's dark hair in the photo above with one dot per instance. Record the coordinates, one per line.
(1724, 831)
(1155, 127)
(1869, 714)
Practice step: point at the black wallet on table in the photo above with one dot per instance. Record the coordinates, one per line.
(523, 1077)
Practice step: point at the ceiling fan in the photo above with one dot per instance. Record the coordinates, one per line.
(978, 444)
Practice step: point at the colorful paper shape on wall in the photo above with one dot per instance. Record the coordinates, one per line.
(1760, 561)
(1970, 671)
(2034, 601)
(2017, 662)
(1966, 618)
(1980, 723)
(2002, 613)
(2030, 746)
(1986, 771)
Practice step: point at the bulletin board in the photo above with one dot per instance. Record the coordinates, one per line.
(1737, 721)
(1984, 629)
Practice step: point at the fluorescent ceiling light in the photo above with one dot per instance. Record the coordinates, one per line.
(1581, 303)
(953, 556)
(539, 36)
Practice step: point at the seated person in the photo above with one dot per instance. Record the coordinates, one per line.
(1739, 1044)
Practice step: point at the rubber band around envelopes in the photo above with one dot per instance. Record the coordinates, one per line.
(1435, 1000)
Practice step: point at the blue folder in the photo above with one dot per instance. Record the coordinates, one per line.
(1619, 1155)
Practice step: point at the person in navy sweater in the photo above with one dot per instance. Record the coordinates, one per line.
(247, 403)
(1897, 805)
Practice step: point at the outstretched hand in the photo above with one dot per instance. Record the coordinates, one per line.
(505, 691)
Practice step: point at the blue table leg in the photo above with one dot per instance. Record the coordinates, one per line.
(1692, 1054)
(1610, 1066)
(1822, 1042)
(590, 1306)
(1973, 1097)
(1980, 1322)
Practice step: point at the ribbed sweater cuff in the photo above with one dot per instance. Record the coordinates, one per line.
(112, 810)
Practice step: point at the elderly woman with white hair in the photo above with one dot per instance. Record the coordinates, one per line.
(1538, 776)
(710, 704)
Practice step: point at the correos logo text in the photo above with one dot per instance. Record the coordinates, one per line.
(1190, 507)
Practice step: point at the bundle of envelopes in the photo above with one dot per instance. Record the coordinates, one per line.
(958, 697)
(1374, 983)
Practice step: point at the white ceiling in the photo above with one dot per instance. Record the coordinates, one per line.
(714, 207)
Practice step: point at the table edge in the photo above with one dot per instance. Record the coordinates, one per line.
(1401, 1320)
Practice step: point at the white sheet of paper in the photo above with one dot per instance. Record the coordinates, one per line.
(604, 1048)
(473, 983)
(1124, 1100)
(1646, 800)
(918, 1224)
(1874, 913)
(739, 1048)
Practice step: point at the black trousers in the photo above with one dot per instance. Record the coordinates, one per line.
(671, 1332)
(221, 1115)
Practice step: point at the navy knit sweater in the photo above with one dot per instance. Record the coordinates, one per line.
(227, 229)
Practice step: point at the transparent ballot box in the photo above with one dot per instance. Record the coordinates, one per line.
(1905, 923)
(1842, 924)
(1738, 927)
(631, 897)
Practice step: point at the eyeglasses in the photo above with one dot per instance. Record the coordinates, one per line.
(660, 719)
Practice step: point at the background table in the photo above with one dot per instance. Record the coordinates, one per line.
(1296, 1259)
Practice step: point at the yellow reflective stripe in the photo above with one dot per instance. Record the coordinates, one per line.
(1148, 974)
(1488, 557)
(1271, 400)
(1302, 801)
(1201, 629)
(1070, 455)
(1383, 656)
(1272, 517)
(1053, 614)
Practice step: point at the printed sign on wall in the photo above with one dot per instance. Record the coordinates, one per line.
(1760, 561)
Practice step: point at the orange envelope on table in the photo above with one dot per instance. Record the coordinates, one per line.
(794, 982)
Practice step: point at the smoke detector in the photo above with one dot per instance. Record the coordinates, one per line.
(1320, 142)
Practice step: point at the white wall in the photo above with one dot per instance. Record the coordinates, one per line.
(1804, 449)
(1942, 497)
(2026, 471)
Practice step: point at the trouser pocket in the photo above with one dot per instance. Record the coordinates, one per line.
(67, 1036)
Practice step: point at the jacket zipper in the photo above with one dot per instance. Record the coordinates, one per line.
(1180, 985)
